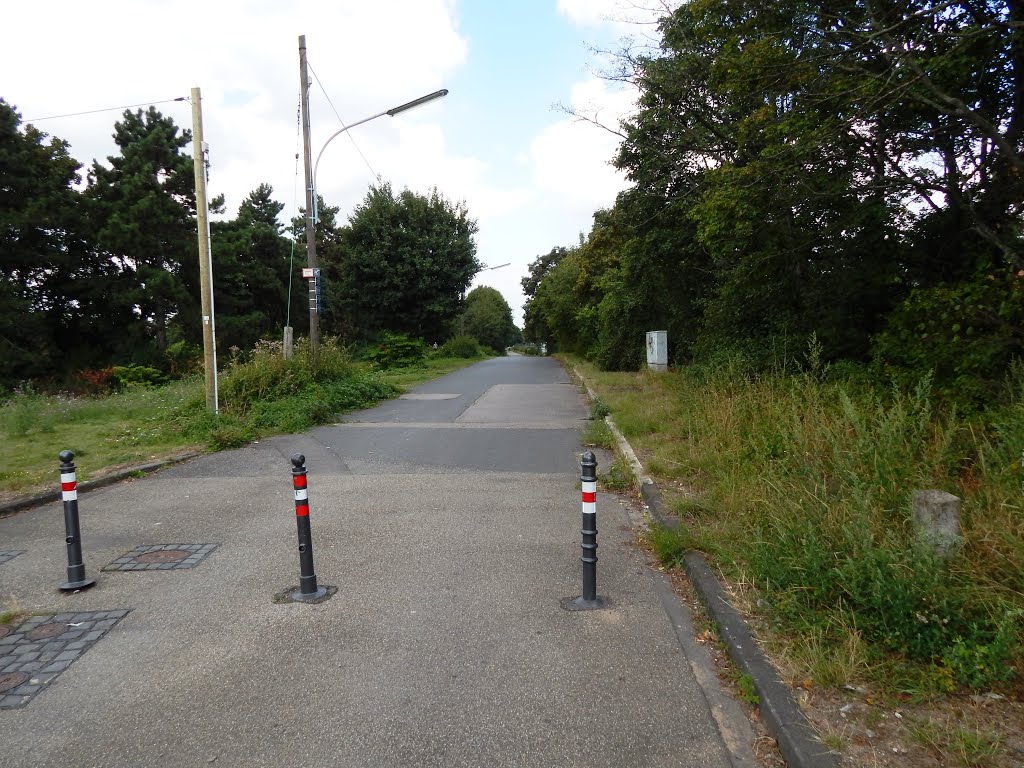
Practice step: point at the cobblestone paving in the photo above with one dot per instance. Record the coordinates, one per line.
(162, 557)
(34, 653)
(9, 554)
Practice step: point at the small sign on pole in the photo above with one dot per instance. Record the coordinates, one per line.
(308, 272)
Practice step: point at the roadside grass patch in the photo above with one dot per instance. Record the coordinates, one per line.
(599, 434)
(260, 394)
(132, 426)
(803, 488)
(598, 409)
(13, 613)
(428, 369)
(619, 476)
(966, 746)
(669, 545)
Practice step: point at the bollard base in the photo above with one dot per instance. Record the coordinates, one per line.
(294, 595)
(308, 597)
(580, 604)
(71, 586)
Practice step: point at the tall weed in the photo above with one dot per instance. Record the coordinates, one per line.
(271, 393)
(813, 479)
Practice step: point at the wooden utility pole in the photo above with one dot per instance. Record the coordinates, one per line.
(205, 258)
(314, 317)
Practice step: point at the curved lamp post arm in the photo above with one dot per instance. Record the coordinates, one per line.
(334, 135)
(389, 112)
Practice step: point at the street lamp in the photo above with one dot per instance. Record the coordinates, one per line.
(498, 266)
(311, 213)
(389, 112)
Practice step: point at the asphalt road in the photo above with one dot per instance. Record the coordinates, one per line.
(449, 522)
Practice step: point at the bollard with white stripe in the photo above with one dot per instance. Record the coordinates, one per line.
(73, 534)
(308, 590)
(588, 483)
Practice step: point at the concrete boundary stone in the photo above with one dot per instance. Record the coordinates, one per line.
(797, 739)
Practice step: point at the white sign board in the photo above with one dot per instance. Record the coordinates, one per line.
(307, 272)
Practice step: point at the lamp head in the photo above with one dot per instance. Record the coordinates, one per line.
(417, 102)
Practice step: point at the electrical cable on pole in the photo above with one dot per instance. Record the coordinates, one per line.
(311, 260)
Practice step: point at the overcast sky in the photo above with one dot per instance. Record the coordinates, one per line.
(529, 173)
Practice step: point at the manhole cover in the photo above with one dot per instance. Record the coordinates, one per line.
(46, 631)
(4, 630)
(12, 680)
(163, 556)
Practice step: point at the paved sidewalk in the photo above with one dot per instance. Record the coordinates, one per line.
(445, 644)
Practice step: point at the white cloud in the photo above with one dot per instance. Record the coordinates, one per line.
(528, 197)
(590, 12)
(244, 56)
(572, 158)
(621, 15)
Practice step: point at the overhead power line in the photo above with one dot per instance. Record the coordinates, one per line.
(351, 138)
(105, 109)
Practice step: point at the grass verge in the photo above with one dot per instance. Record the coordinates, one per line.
(262, 395)
(799, 488)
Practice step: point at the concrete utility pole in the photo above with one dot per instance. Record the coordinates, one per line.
(205, 257)
(314, 317)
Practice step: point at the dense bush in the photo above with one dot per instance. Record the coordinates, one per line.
(127, 375)
(396, 350)
(965, 336)
(461, 346)
(274, 393)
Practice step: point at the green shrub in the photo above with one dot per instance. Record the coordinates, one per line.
(128, 375)
(527, 349)
(979, 664)
(964, 335)
(396, 350)
(619, 476)
(230, 435)
(461, 346)
(274, 394)
(183, 358)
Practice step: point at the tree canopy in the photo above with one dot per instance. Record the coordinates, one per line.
(850, 170)
(402, 264)
(488, 318)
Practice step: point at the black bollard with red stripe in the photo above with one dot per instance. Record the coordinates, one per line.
(308, 590)
(589, 600)
(72, 532)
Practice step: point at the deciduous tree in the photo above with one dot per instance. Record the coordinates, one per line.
(405, 261)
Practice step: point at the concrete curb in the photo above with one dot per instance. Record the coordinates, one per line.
(798, 742)
(25, 502)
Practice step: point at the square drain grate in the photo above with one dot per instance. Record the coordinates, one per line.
(162, 557)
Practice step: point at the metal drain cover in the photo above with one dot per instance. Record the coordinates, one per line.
(12, 680)
(46, 631)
